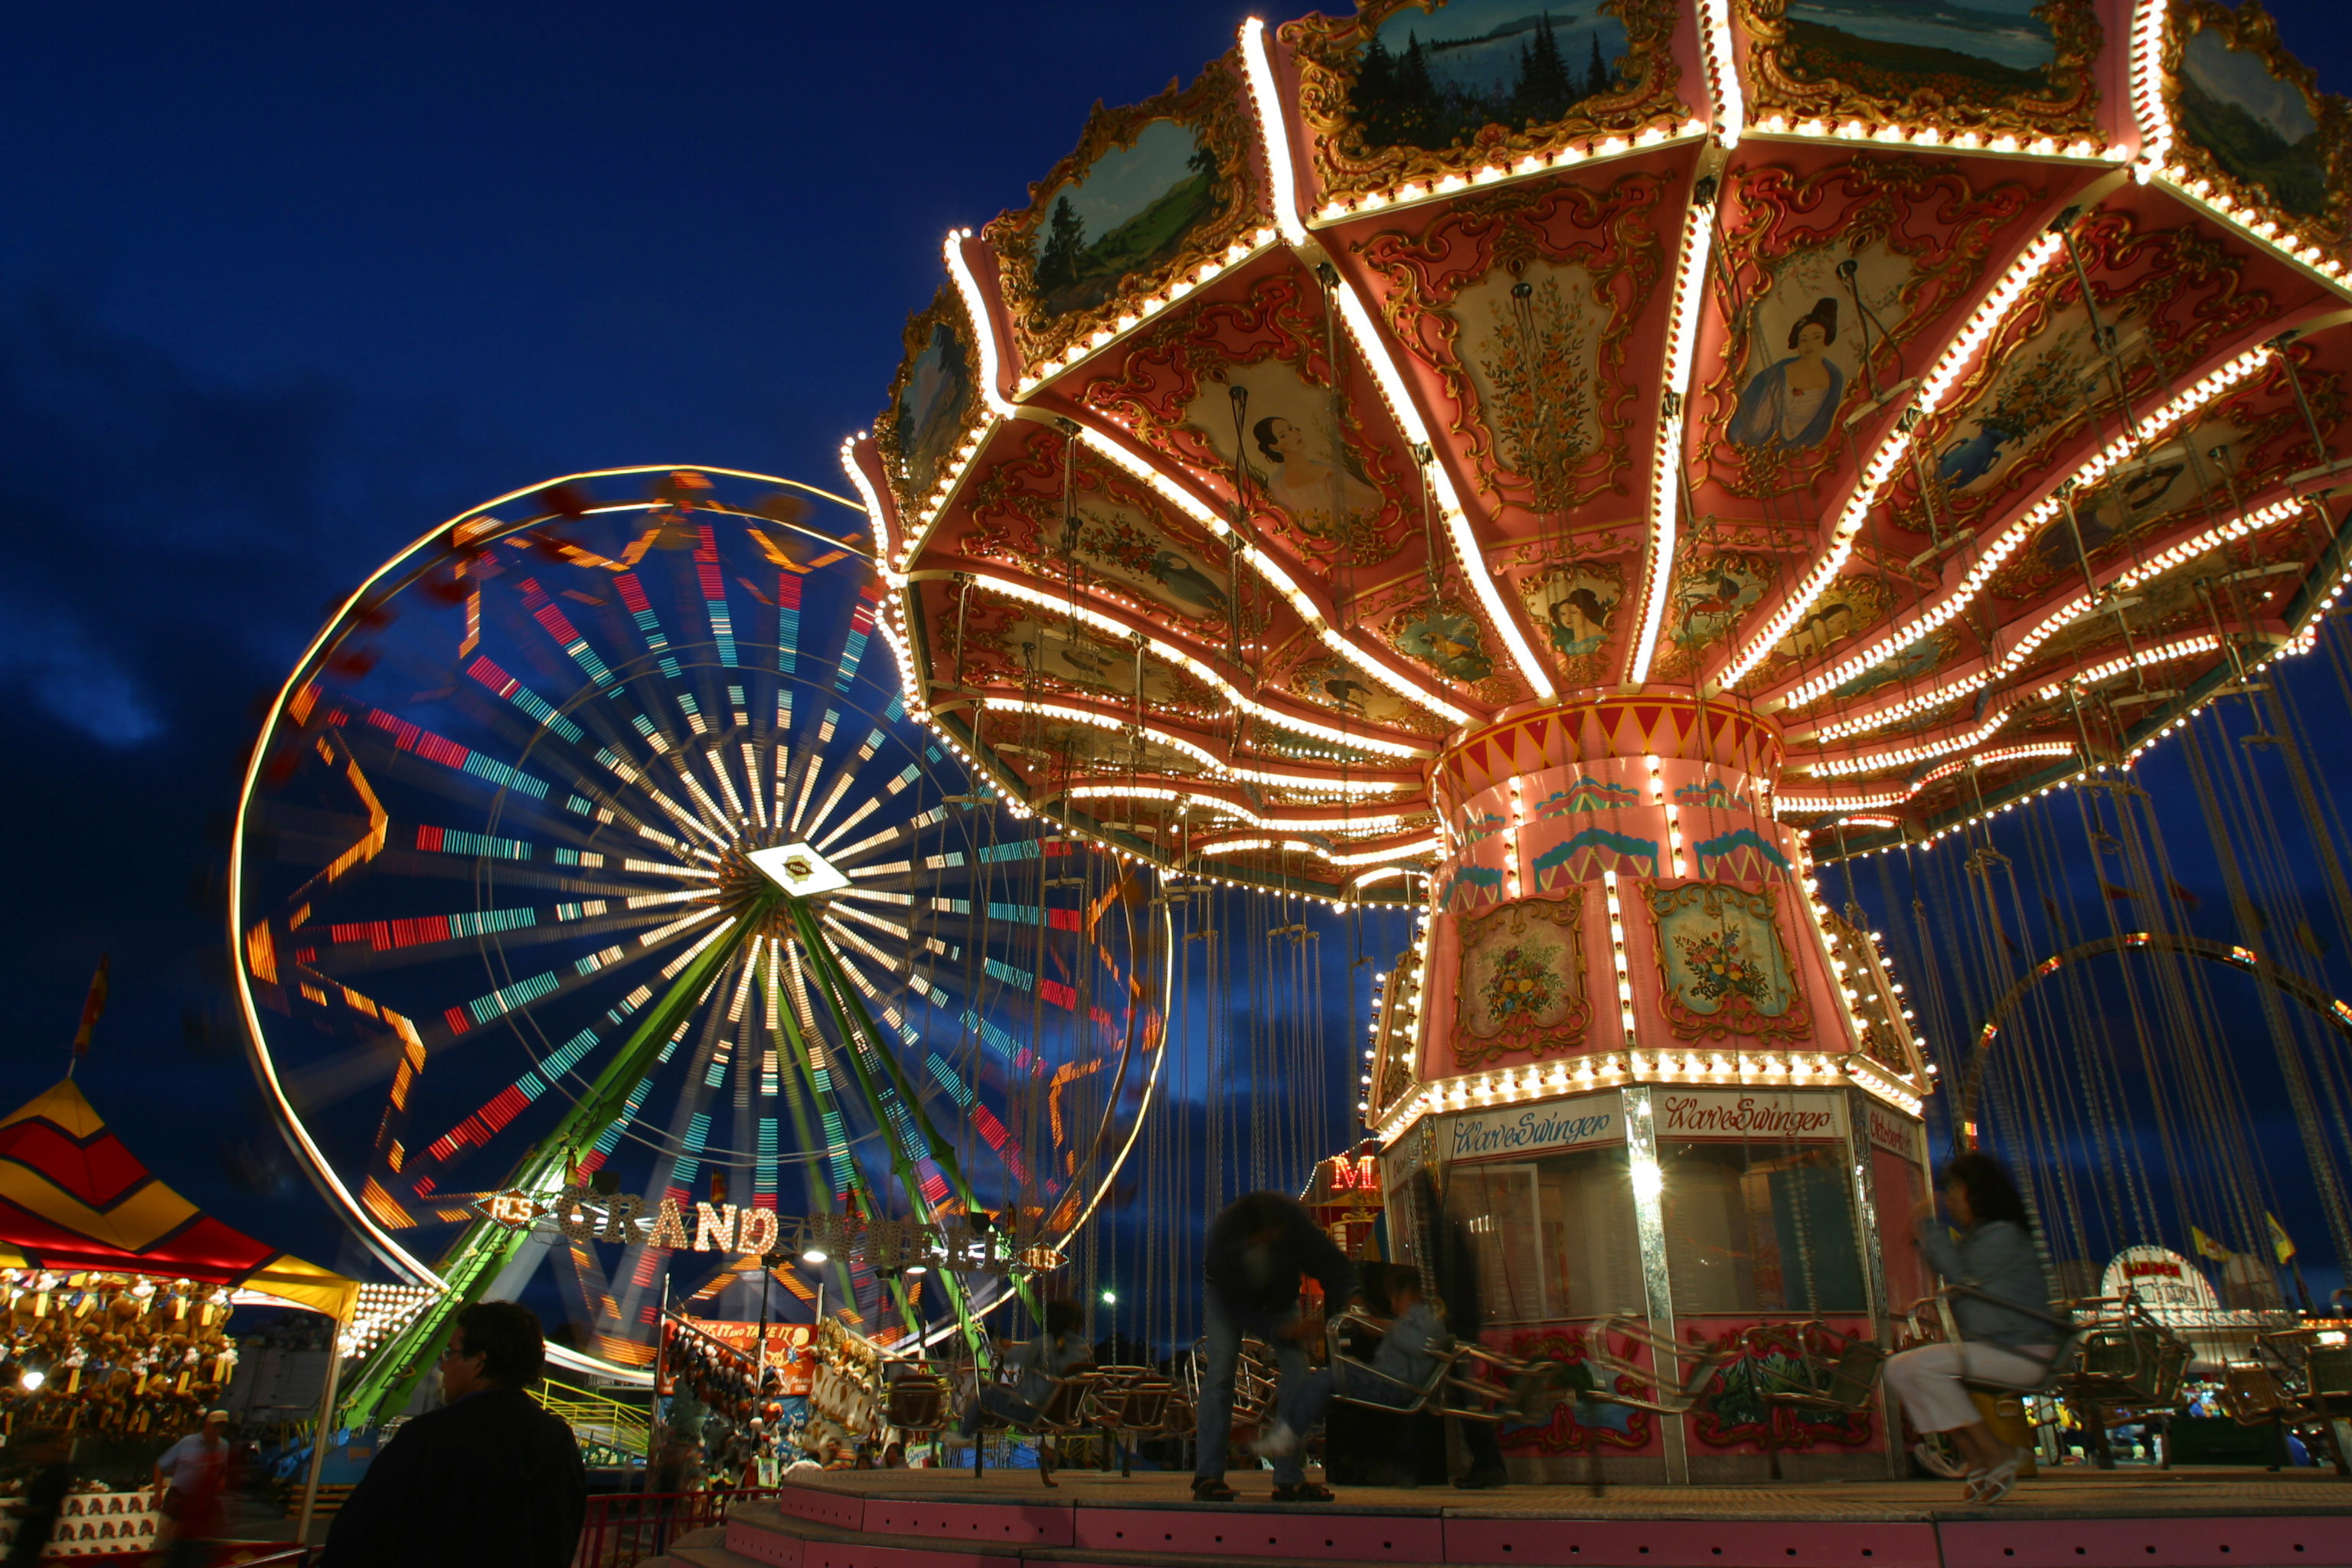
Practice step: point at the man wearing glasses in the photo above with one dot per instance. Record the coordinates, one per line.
(489, 1478)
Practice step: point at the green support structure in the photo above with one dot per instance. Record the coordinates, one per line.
(384, 1385)
(392, 1373)
(850, 1015)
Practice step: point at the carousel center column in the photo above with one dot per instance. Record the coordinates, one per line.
(1640, 1048)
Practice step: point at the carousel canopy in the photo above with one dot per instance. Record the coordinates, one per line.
(1946, 396)
(74, 1197)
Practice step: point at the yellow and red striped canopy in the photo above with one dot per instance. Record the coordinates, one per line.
(73, 1197)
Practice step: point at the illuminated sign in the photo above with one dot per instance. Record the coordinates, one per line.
(1568, 1124)
(953, 1243)
(797, 870)
(1705, 1114)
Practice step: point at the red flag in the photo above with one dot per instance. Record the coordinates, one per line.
(2115, 893)
(2185, 895)
(91, 1008)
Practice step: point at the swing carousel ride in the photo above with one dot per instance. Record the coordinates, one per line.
(1574, 470)
(1543, 482)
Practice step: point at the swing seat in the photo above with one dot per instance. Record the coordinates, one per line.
(1666, 1398)
(1064, 1412)
(1130, 1402)
(1834, 1376)
(920, 1400)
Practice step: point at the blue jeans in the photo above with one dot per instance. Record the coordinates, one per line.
(1356, 1384)
(1001, 1403)
(1300, 1393)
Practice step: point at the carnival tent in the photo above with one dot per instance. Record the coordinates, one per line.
(74, 1197)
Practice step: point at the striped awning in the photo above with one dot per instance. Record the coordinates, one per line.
(74, 1197)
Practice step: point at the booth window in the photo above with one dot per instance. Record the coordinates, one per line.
(1549, 1236)
(1765, 1227)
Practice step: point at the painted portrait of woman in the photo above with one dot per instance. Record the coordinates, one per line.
(1579, 622)
(1792, 402)
(1316, 492)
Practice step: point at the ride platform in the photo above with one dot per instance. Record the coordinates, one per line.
(947, 1518)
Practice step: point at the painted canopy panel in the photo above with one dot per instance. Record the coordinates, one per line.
(1960, 387)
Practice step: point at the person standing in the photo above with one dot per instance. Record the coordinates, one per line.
(1258, 1253)
(194, 1469)
(488, 1480)
(1453, 1260)
(2008, 1333)
(50, 1480)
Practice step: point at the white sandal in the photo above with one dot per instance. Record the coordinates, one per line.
(1989, 1487)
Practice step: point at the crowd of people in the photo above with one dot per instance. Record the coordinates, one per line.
(491, 1476)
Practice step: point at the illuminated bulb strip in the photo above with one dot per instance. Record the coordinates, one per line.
(1989, 557)
(2017, 753)
(1827, 947)
(875, 517)
(1617, 955)
(1231, 846)
(1227, 808)
(1207, 759)
(1983, 322)
(1375, 354)
(1380, 874)
(1780, 1070)
(1723, 73)
(1279, 580)
(1665, 474)
(1945, 694)
(2147, 30)
(2082, 148)
(982, 326)
(1309, 784)
(2184, 648)
(1519, 825)
(1151, 305)
(2156, 565)
(1903, 757)
(1674, 840)
(1414, 191)
(1807, 804)
(2248, 219)
(1419, 849)
(1018, 589)
(1274, 130)
(1101, 721)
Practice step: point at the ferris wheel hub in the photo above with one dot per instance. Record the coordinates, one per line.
(798, 870)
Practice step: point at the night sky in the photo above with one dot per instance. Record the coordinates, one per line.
(282, 287)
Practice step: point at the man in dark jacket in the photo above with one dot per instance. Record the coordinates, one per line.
(1257, 1251)
(488, 1480)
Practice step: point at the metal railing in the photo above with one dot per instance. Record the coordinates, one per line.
(596, 1418)
(626, 1528)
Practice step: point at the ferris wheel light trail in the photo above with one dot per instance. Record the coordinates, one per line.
(656, 978)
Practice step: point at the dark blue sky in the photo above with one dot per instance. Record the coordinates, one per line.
(280, 286)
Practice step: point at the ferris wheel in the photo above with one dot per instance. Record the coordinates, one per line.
(592, 844)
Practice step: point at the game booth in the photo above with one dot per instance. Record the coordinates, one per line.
(118, 1294)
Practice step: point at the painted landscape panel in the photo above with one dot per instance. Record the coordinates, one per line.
(934, 408)
(1980, 53)
(1134, 207)
(1434, 78)
(2257, 127)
